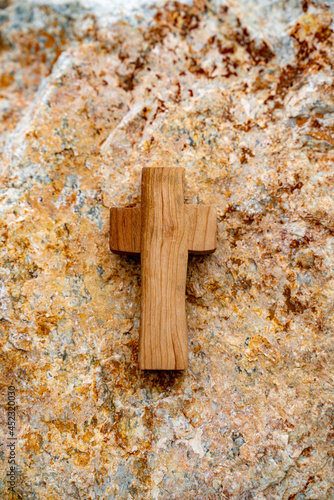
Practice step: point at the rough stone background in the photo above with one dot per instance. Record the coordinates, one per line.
(241, 95)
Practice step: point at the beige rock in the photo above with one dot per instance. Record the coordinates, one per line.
(241, 96)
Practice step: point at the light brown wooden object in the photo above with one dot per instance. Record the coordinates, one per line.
(164, 230)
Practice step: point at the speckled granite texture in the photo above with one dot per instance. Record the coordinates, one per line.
(241, 95)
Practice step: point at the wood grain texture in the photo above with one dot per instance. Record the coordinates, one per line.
(163, 343)
(163, 230)
(201, 228)
(125, 230)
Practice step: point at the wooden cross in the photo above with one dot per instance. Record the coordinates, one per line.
(163, 230)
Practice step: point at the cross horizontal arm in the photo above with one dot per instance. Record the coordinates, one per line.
(201, 229)
(125, 228)
(125, 224)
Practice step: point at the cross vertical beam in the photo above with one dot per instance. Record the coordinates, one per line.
(164, 255)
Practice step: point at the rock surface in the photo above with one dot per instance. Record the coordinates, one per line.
(240, 94)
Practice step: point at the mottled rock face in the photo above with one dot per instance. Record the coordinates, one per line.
(241, 96)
